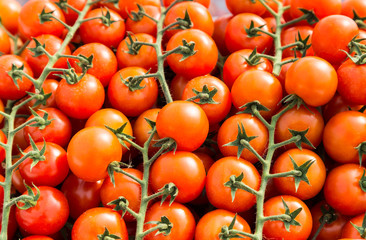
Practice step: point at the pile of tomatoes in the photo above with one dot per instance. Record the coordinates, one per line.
(109, 90)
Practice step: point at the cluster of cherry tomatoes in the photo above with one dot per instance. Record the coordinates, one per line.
(109, 90)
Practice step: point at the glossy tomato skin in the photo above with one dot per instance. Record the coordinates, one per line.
(34, 237)
(245, 6)
(257, 85)
(9, 13)
(214, 112)
(337, 105)
(209, 226)
(178, 214)
(283, 73)
(186, 171)
(199, 15)
(358, 6)
(4, 42)
(326, 41)
(313, 79)
(94, 221)
(48, 216)
(316, 173)
(276, 229)
(205, 3)
(189, 128)
(345, 181)
(202, 62)
(220, 173)
(132, 102)
(300, 120)
(58, 131)
(332, 230)
(112, 118)
(342, 134)
(218, 35)
(349, 231)
(124, 187)
(29, 22)
(236, 38)
(8, 90)
(128, 6)
(99, 145)
(145, 24)
(104, 61)
(321, 8)
(50, 172)
(96, 31)
(74, 100)
(177, 86)
(253, 127)
(52, 45)
(290, 36)
(81, 195)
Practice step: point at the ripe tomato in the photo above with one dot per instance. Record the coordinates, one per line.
(316, 173)
(283, 73)
(177, 86)
(131, 5)
(34, 237)
(145, 24)
(218, 35)
(321, 8)
(236, 37)
(104, 61)
(205, 3)
(9, 13)
(93, 223)
(112, 118)
(186, 171)
(133, 97)
(29, 22)
(199, 15)
(209, 226)
(98, 144)
(332, 230)
(300, 120)
(235, 65)
(81, 195)
(342, 189)
(257, 85)
(179, 215)
(48, 216)
(214, 112)
(96, 31)
(202, 62)
(245, 6)
(326, 40)
(189, 128)
(52, 45)
(337, 105)
(359, 6)
(5, 45)
(49, 86)
(59, 130)
(144, 57)
(313, 79)
(8, 90)
(74, 99)
(349, 231)
(253, 127)
(220, 195)
(342, 134)
(124, 187)
(70, 14)
(276, 229)
(291, 35)
(50, 172)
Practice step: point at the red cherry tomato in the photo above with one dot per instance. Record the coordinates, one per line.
(145, 24)
(349, 230)
(321, 8)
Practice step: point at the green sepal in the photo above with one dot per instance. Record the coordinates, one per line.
(120, 135)
(37, 155)
(362, 181)
(151, 123)
(304, 168)
(137, 16)
(252, 31)
(184, 23)
(303, 138)
(107, 236)
(250, 105)
(15, 74)
(253, 59)
(121, 204)
(169, 190)
(361, 149)
(293, 215)
(70, 75)
(62, 4)
(106, 18)
(86, 63)
(45, 16)
(41, 122)
(132, 46)
(293, 99)
(304, 44)
(39, 49)
(328, 214)
(240, 138)
(165, 226)
(31, 202)
(204, 97)
(225, 233)
(168, 143)
(41, 97)
(359, 20)
(114, 2)
(187, 50)
(311, 17)
(133, 83)
(361, 229)
(232, 184)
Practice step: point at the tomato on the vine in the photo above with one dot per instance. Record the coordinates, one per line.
(245, 6)
(9, 13)
(321, 8)
(349, 230)
(145, 24)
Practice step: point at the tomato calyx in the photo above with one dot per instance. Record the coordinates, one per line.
(121, 135)
(228, 232)
(40, 122)
(302, 170)
(36, 155)
(252, 108)
(361, 148)
(132, 46)
(329, 215)
(106, 18)
(361, 229)
(359, 20)
(309, 16)
(290, 221)
(166, 144)
(139, 15)
(302, 45)
(253, 31)
(29, 200)
(164, 226)
(39, 49)
(107, 236)
(133, 83)
(16, 73)
(45, 16)
(253, 59)
(300, 137)
(236, 183)
(40, 96)
(362, 182)
(204, 97)
(181, 23)
(186, 50)
(121, 204)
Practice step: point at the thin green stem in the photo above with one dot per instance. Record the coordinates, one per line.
(150, 230)
(266, 32)
(282, 217)
(287, 142)
(292, 22)
(285, 174)
(23, 125)
(245, 187)
(73, 9)
(295, 44)
(153, 196)
(15, 165)
(138, 180)
(68, 27)
(133, 144)
(322, 224)
(149, 17)
(21, 49)
(252, 236)
(17, 199)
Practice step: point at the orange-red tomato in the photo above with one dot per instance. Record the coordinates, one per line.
(205, 3)
(291, 35)
(126, 6)
(145, 24)
(5, 45)
(337, 105)
(321, 8)
(245, 6)
(49, 86)
(218, 35)
(349, 231)
(9, 13)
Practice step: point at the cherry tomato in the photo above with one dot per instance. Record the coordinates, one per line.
(5, 45)
(245, 6)
(218, 35)
(95, 221)
(97, 143)
(34, 237)
(177, 86)
(291, 35)
(30, 24)
(189, 128)
(70, 14)
(359, 6)
(315, 174)
(276, 229)
(283, 73)
(9, 13)
(202, 62)
(179, 215)
(74, 99)
(321, 8)
(50, 172)
(205, 3)
(337, 105)
(220, 195)
(349, 230)
(209, 226)
(58, 131)
(236, 37)
(48, 216)
(144, 24)
(49, 86)
(253, 127)
(81, 195)
(257, 85)
(101, 31)
(342, 189)
(186, 171)
(104, 61)
(132, 5)
(8, 90)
